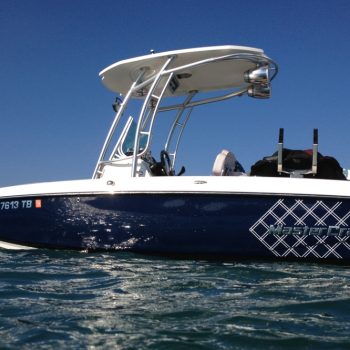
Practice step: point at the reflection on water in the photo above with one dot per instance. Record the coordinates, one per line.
(127, 301)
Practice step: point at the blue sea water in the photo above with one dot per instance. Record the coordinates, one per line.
(73, 300)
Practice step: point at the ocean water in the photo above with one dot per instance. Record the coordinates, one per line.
(74, 300)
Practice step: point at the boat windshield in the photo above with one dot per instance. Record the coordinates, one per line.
(128, 142)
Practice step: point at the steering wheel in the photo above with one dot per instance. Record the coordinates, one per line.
(165, 162)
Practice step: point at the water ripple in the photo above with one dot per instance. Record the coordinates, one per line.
(52, 299)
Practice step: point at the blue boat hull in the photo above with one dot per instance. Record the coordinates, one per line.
(226, 225)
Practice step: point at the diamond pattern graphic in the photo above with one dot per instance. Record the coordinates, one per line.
(297, 213)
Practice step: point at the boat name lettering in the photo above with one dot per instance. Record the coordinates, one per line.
(13, 205)
(306, 230)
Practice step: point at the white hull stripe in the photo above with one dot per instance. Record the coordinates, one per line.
(12, 246)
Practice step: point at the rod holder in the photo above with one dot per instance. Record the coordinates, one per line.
(280, 150)
(314, 153)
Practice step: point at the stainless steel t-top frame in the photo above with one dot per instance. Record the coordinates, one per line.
(257, 84)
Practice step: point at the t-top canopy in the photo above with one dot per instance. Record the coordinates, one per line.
(219, 74)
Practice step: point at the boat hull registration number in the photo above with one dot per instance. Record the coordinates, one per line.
(20, 204)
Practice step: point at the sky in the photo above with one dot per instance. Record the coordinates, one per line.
(55, 112)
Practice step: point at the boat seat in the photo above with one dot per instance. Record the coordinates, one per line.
(226, 164)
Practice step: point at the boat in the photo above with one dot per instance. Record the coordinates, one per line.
(292, 205)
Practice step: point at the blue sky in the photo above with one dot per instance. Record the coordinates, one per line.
(55, 113)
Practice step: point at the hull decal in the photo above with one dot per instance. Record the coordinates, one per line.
(294, 228)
